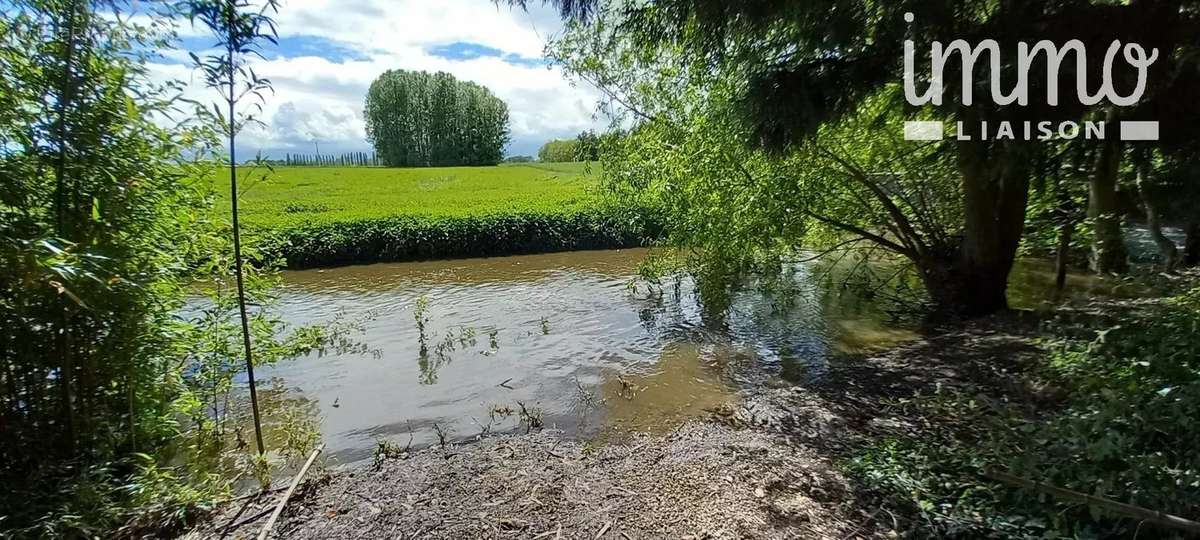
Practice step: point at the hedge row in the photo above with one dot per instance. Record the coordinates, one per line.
(408, 238)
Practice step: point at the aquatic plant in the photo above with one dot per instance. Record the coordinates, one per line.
(531, 417)
(421, 315)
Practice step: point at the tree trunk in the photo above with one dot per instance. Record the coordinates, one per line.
(1062, 255)
(1108, 248)
(974, 281)
(1166, 247)
(1191, 248)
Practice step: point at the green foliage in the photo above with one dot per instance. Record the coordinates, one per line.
(239, 27)
(96, 217)
(731, 203)
(559, 150)
(418, 119)
(1130, 431)
(114, 391)
(402, 238)
(585, 147)
(1125, 429)
(359, 215)
(773, 78)
(733, 208)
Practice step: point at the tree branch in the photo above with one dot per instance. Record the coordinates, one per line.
(884, 242)
(909, 236)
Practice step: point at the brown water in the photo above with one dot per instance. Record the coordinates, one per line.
(563, 334)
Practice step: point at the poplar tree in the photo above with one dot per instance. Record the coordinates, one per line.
(418, 119)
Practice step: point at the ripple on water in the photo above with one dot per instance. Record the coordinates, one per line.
(572, 344)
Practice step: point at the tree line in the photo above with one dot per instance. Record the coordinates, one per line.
(584, 147)
(347, 159)
(421, 119)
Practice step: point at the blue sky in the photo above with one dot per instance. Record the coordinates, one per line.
(329, 51)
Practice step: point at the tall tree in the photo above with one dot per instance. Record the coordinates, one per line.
(239, 26)
(803, 65)
(417, 119)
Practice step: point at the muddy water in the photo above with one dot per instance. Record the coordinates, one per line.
(560, 339)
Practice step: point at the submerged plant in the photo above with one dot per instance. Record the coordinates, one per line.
(421, 316)
(531, 417)
(466, 336)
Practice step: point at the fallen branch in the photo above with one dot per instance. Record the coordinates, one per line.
(1145, 514)
(291, 489)
(251, 495)
(244, 522)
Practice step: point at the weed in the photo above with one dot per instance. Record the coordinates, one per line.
(442, 435)
(385, 450)
(532, 418)
(421, 315)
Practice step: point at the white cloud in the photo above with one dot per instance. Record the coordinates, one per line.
(316, 97)
(298, 125)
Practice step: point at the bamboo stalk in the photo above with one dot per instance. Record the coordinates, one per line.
(283, 502)
(1145, 514)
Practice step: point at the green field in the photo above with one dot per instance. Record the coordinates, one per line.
(314, 195)
(315, 216)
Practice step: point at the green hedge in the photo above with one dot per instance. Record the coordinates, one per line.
(407, 238)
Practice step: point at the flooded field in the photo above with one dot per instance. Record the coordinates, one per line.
(561, 339)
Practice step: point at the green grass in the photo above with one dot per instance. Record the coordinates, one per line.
(573, 167)
(320, 216)
(296, 196)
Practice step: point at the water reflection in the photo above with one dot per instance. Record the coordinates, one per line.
(686, 382)
(560, 336)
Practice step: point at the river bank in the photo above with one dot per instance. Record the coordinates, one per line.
(767, 465)
(898, 443)
(424, 237)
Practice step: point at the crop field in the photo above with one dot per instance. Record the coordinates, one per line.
(314, 195)
(316, 216)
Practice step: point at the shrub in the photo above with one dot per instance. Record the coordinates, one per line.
(403, 238)
(1126, 430)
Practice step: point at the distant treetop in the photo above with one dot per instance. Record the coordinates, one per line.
(419, 119)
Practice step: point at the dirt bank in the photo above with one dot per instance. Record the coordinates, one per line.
(765, 467)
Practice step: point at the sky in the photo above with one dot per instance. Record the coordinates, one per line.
(329, 51)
